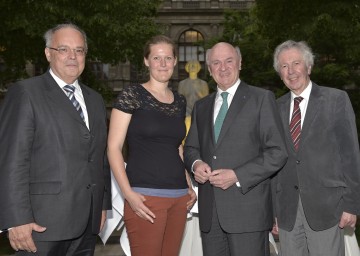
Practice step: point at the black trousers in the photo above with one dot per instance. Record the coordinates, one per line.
(218, 242)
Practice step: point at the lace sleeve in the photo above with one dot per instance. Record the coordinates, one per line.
(182, 104)
(128, 99)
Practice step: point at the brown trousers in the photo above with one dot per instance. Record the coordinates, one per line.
(164, 236)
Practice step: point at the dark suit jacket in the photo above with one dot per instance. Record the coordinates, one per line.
(52, 167)
(326, 169)
(250, 143)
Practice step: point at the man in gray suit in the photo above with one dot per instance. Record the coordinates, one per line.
(233, 163)
(54, 185)
(317, 191)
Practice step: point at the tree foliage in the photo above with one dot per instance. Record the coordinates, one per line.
(330, 27)
(116, 30)
(242, 29)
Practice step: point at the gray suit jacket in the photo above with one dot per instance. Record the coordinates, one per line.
(250, 143)
(52, 167)
(325, 171)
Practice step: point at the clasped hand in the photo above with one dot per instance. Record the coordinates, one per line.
(221, 178)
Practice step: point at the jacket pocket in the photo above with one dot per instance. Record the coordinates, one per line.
(333, 183)
(45, 188)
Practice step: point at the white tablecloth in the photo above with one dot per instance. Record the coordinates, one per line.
(191, 244)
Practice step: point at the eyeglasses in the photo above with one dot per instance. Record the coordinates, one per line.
(65, 50)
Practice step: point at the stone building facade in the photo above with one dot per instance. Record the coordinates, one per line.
(188, 23)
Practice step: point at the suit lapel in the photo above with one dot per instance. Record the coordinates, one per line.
(285, 117)
(59, 98)
(90, 108)
(311, 112)
(210, 118)
(240, 98)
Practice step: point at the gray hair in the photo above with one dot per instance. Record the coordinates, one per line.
(49, 34)
(302, 46)
(208, 52)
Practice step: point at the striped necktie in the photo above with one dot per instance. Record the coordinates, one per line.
(295, 123)
(221, 115)
(70, 90)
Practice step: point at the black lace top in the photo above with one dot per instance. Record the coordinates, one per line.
(154, 135)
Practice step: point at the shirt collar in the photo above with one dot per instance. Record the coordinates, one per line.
(61, 83)
(305, 94)
(231, 90)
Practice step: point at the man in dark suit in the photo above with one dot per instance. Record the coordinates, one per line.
(54, 186)
(317, 191)
(233, 163)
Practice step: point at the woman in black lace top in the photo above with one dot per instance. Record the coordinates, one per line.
(155, 184)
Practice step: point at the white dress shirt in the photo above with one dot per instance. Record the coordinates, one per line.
(219, 99)
(303, 104)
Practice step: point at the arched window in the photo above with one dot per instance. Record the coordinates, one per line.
(190, 49)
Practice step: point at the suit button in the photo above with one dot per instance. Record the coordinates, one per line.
(296, 187)
(86, 136)
(90, 160)
(214, 157)
(88, 186)
(297, 161)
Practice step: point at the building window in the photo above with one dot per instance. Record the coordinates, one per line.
(191, 4)
(190, 49)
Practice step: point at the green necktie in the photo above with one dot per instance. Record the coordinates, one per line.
(221, 115)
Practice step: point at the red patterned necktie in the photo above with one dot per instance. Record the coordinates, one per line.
(295, 124)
